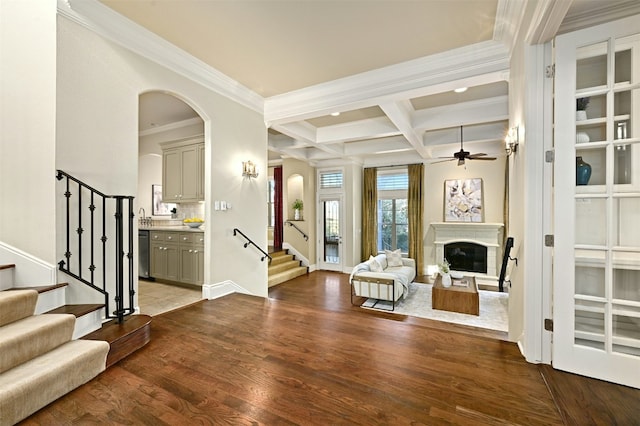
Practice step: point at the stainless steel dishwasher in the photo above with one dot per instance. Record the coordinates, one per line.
(143, 253)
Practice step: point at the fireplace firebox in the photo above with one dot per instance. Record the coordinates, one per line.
(466, 256)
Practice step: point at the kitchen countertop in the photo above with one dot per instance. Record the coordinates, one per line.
(175, 228)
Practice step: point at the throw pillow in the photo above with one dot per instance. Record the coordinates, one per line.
(394, 258)
(374, 265)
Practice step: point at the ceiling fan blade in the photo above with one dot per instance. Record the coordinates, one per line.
(443, 161)
(479, 154)
(482, 158)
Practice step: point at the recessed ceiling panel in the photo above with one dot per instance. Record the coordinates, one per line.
(274, 47)
(347, 117)
(472, 94)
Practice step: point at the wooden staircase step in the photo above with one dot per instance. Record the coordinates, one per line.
(287, 275)
(40, 289)
(281, 259)
(76, 310)
(281, 267)
(7, 266)
(125, 338)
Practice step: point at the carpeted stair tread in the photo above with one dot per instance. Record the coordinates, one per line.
(276, 260)
(287, 275)
(281, 267)
(77, 310)
(16, 305)
(33, 336)
(38, 382)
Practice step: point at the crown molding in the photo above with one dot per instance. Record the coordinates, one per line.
(546, 20)
(509, 15)
(419, 77)
(109, 24)
(605, 13)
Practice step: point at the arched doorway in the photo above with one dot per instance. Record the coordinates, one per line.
(163, 119)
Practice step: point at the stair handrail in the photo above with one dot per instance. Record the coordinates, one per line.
(65, 265)
(250, 242)
(305, 236)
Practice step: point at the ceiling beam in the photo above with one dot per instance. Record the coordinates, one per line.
(486, 61)
(378, 127)
(400, 113)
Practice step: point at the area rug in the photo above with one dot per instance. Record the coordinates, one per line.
(417, 303)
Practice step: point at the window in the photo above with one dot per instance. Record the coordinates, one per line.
(271, 190)
(331, 180)
(393, 221)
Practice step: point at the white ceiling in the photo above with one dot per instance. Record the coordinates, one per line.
(389, 67)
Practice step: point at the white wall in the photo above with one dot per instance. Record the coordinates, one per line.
(99, 85)
(492, 174)
(27, 129)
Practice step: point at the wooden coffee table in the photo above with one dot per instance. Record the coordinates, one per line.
(464, 300)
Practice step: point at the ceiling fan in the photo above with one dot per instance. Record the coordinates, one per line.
(463, 155)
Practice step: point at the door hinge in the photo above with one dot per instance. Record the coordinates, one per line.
(548, 240)
(549, 156)
(548, 324)
(550, 71)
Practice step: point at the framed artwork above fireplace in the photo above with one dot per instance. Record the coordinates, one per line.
(463, 200)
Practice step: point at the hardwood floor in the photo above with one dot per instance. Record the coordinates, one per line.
(306, 356)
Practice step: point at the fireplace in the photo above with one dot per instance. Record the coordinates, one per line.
(467, 257)
(470, 247)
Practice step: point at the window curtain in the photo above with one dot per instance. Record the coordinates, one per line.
(369, 213)
(415, 207)
(277, 207)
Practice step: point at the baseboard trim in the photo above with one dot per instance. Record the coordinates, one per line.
(215, 291)
(29, 269)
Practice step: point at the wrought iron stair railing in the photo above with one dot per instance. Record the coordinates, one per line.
(85, 206)
(305, 236)
(249, 242)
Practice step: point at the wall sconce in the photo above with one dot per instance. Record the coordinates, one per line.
(512, 140)
(249, 169)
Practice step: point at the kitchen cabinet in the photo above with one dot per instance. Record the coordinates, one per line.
(164, 256)
(192, 258)
(178, 256)
(183, 170)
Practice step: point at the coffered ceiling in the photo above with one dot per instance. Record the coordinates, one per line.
(389, 67)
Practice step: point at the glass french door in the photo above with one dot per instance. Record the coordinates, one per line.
(330, 232)
(596, 278)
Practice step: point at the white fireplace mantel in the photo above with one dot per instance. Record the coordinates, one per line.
(486, 234)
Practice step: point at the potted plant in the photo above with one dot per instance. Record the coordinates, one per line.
(444, 273)
(297, 207)
(581, 108)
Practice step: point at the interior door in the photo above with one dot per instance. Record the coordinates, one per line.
(330, 232)
(596, 278)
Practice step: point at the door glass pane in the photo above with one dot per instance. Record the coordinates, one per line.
(331, 230)
(589, 324)
(591, 166)
(623, 66)
(591, 221)
(626, 329)
(590, 281)
(591, 69)
(626, 284)
(626, 222)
